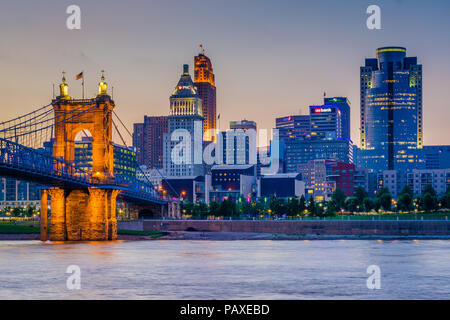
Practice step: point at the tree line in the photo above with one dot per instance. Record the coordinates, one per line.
(359, 202)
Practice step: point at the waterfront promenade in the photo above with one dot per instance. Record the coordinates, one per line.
(297, 227)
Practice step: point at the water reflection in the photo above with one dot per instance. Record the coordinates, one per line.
(225, 269)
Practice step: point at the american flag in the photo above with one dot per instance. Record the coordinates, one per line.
(79, 76)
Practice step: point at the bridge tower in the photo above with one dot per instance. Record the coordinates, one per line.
(90, 213)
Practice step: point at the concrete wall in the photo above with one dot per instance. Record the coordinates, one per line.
(136, 225)
(308, 227)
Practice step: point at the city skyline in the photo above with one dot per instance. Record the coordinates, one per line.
(255, 80)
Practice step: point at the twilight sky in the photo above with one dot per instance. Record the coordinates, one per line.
(271, 58)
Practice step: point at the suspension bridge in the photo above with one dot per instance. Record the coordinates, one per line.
(40, 147)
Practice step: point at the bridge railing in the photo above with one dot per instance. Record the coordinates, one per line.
(31, 160)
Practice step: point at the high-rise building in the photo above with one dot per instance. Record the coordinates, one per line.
(205, 84)
(436, 157)
(239, 143)
(148, 141)
(299, 152)
(183, 144)
(343, 105)
(293, 127)
(391, 111)
(124, 158)
(326, 122)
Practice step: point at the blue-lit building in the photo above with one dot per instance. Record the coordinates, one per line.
(391, 111)
(298, 152)
(293, 127)
(436, 157)
(124, 158)
(326, 122)
(343, 105)
(15, 193)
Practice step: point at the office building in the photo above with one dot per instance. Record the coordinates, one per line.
(391, 111)
(293, 127)
(206, 87)
(124, 159)
(232, 180)
(299, 152)
(282, 185)
(326, 122)
(343, 105)
(439, 179)
(15, 193)
(436, 157)
(183, 144)
(148, 140)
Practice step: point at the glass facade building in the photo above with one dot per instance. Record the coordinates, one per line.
(391, 111)
(293, 127)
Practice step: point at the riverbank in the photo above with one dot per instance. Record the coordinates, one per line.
(237, 236)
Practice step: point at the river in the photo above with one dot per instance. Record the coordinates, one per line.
(226, 269)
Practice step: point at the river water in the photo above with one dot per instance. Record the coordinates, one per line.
(226, 269)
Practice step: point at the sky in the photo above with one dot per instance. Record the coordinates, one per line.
(270, 58)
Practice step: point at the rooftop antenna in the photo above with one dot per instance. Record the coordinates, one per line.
(202, 50)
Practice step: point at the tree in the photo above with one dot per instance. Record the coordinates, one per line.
(331, 209)
(429, 189)
(360, 194)
(405, 202)
(292, 207)
(302, 204)
(311, 206)
(228, 208)
(351, 204)
(214, 208)
(339, 197)
(277, 206)
(386, 201)
(429, 202)
(445, 200)
(368, 204)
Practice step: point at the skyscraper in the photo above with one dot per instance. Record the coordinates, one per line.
(205, 83)
(293, 127)
(148, 140)
(326, 122)
(391, 111)
(344, 106)
(183, 143)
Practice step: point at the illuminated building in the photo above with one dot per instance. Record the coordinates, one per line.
(326, 122)
(183, 144)
(293, 127)
(14, 193)
(239, 143)
(205, 84)
(391, 111)
(124, 158)
(437, 157)
(343, 105)
(299, 152)
(148, 140)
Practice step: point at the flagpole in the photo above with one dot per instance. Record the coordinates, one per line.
(82, 85)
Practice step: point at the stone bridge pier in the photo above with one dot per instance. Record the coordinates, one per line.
(82, 214)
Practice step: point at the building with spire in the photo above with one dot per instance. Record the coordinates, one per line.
(183, 151)
(205, 83)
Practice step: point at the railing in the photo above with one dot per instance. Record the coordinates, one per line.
(25, 159)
